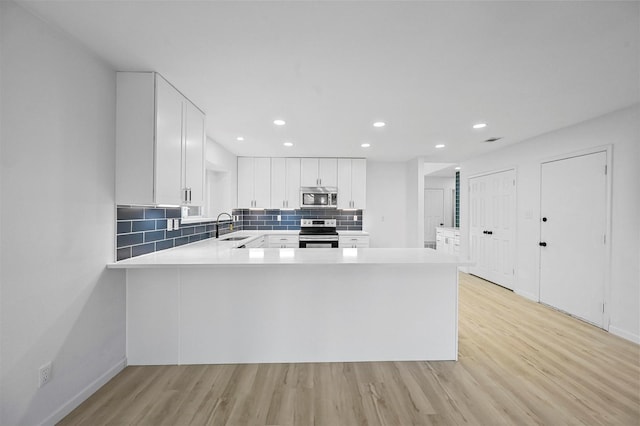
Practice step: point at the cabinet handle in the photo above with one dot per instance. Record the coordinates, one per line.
(189, 195)
(542, 244)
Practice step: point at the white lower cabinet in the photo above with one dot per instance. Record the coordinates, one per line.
(353, 241)
(448, 240)
(282, 241)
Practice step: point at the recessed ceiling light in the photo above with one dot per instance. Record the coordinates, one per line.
(379, 124)
(240, 138)
(440, 145)
(457, 168)
(365, 145)
(288, 144)
(479, 125)
(279, 122)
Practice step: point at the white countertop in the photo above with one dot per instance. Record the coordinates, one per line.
(215, 252)
(448, 228)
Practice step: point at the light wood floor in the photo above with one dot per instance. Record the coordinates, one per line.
(520, 363)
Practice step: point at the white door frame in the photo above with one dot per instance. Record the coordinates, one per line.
(515, 222)
(606, 315)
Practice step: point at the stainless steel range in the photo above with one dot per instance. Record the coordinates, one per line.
(318, 233)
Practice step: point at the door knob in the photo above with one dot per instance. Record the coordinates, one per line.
(542, 244)
(484, 232)
(544, 219)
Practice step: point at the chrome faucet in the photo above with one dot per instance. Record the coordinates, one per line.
(218, 222)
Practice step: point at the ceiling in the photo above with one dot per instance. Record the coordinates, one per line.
(430, 70)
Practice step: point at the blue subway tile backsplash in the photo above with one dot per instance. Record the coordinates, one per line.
(290, 219)
(142, 230)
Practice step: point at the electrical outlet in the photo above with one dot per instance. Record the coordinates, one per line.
(279, 218)
(355, 218)
(44, 374)
(176, 223)
(169, 224)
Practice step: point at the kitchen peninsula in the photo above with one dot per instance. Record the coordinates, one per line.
(211, 303)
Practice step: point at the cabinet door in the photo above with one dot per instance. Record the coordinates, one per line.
(262, 182)
(245, 182)
(328, 171)
(344, 184)
(194, 154)
(278, 183)
(169, 137)
(292, 199)
(309, 172)
(359, 183)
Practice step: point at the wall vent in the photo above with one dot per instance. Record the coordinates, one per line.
(492, 139)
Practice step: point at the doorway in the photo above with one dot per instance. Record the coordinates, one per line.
(492, 230)
(573, 235)
(433, 214)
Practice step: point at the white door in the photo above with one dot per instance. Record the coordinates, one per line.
(492, 230)
(433, 213)
(572, 235)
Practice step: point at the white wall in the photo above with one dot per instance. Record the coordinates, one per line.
(620, 129)
(415, 203)
(385, 216)
(222, 179)
(58, 302)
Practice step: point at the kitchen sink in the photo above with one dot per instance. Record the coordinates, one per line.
(234, 238)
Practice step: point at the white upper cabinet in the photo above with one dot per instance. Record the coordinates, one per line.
(352, 183)
(319, 172)
(194, 155)
(285, 183)
(160, 143)
(254, 182)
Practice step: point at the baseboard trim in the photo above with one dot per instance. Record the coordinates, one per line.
(85, 393)
(526, 295)
(624, 334)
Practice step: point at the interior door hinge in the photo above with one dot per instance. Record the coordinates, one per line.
(603, 308)
(605, 169)
(604, 238)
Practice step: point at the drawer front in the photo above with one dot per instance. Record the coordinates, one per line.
(283, 241)
(353, 242)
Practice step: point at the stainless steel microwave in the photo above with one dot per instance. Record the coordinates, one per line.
(313, 197)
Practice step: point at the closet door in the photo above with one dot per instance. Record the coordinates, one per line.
(492, 230)
(573, 256)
